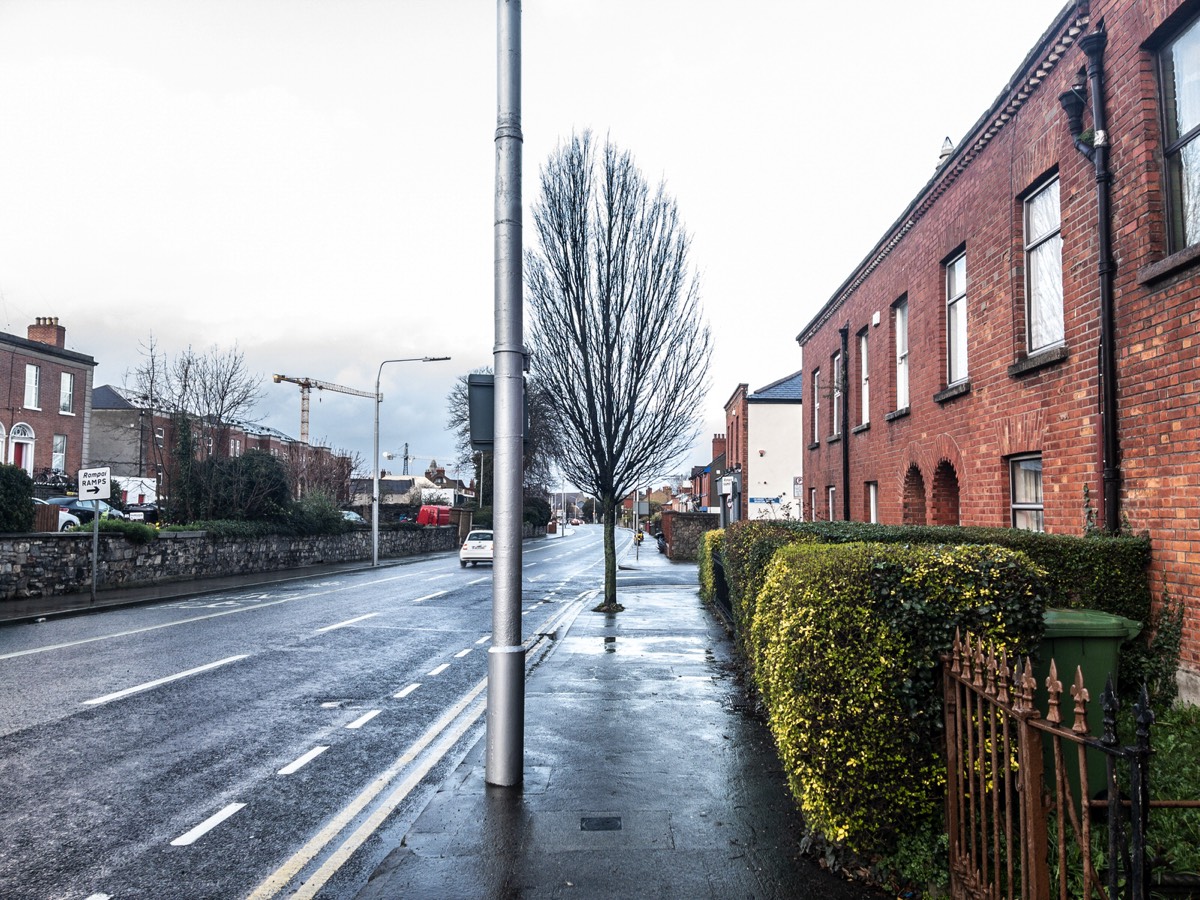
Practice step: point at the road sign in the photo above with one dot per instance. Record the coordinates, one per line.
(94, 484)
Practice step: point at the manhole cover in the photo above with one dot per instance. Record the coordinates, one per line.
(600, 823)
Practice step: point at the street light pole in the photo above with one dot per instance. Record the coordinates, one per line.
(375, 453)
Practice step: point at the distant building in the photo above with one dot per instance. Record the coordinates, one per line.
(45, 401)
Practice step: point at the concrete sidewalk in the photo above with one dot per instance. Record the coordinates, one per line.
(645, 776)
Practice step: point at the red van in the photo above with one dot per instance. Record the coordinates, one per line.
(433, 515)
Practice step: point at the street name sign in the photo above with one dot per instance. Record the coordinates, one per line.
(94, 484)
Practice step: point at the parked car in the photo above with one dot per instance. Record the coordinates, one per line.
(83, 508)
(352, 517)
(66, 519)
(142, 512)
(576, 522)
(476, 548)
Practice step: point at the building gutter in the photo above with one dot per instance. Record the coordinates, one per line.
(1097, 151)
(844, 331)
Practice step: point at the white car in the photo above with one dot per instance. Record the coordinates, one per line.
(476, 548)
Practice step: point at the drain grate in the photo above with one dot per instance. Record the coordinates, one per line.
(600, 823)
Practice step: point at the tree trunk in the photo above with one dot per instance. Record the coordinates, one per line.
(609, 507)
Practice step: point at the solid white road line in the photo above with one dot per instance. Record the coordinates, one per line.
(153, 684)
(302, 761)
(440, 669)
(400, 695)
(430, 596)
(347, 622)
(461, 653)
(364, 719)
(206, 826)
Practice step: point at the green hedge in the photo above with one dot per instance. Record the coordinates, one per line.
(1094, 572)
(16, 499)
(711, 543)
(846, 641)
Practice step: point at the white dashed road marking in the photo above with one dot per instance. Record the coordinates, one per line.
(206, 826)
(302, 761)
(137, 689)
(347, 622)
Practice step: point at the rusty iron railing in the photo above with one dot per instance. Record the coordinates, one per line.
(1002, 804)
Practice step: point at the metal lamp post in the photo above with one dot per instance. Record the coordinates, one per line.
(375, 454)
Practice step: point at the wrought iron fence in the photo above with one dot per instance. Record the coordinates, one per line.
(1020, 811)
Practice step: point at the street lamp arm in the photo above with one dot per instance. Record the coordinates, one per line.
(375, 454)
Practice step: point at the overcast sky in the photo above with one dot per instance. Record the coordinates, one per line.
(313, 180)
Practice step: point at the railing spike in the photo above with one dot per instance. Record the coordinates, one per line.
(1054, 689)
(1080, 693)
(1110, 704)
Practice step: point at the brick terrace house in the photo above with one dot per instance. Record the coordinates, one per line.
(1022, 347)
(45, 400)
(737, 463)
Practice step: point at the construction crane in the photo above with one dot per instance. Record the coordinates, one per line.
(406, 456)
(306, 386)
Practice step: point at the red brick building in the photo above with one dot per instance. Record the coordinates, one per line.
(737, 454)
(1022, 347)
(45, 400)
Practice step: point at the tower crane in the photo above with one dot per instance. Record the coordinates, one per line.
(306, 386)
(406, 456)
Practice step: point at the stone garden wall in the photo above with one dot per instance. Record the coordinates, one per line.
(41, 565)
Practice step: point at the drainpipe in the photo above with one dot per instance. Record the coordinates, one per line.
(844, 331)
(1073, 101)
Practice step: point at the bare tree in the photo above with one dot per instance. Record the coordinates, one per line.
(617, 333)
(202, 394)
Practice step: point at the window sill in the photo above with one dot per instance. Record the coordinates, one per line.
(833, 439)
(1156, 271)
(1038, 360)
(815, 445)
(859, 429)
(897, 414)
(955, 390)
(63, 412)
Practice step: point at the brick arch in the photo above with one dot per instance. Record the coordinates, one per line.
(944, 499)
(947, 480)
(913, 496)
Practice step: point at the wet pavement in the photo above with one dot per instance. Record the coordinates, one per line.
(646, 775)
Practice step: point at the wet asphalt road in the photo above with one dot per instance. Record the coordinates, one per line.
(224, 745)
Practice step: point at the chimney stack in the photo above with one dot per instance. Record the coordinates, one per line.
(46, 330)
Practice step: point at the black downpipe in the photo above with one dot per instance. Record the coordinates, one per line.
(1097, 151)
(844, 331)
(1093, 45)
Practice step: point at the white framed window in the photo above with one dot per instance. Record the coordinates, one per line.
(864, 381)
(1043, 267)
(956, 320)
(235, 447)
(832, 494)
(66, 394)
(872, 501)
(812, 504)
(900, 324)
(58, 453)
(1179, 82)
(816, 404)
(160, 436)
(33, 386)
(836, 366)
(1025, 479)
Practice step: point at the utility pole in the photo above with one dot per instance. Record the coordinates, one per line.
(505, 760)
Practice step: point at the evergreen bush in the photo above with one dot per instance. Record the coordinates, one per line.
(16, 499)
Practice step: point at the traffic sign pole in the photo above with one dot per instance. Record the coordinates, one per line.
(95, 485)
